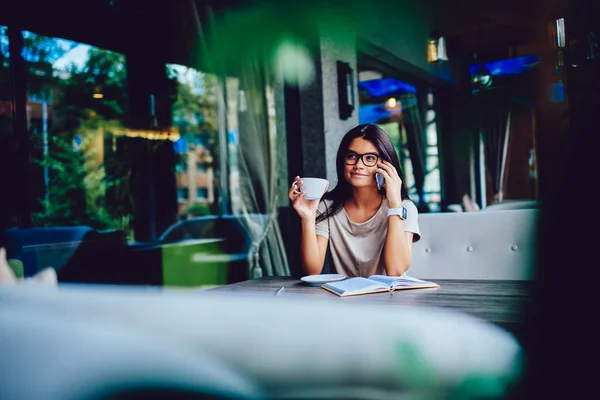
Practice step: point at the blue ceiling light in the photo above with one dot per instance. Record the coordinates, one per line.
(372, 113)
(386, 87)
(481, 78)
(509, 66)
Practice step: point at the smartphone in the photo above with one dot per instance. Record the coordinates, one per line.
(379, 179)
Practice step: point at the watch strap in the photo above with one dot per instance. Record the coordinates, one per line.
(400, 211)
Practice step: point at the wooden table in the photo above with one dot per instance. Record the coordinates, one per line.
(499, 302)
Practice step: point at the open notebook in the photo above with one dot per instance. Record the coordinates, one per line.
(376, 284)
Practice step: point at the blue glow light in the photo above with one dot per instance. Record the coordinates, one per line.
(386, 87)
(372, 113)
(558, 92)
(509, 66)
(180, 146)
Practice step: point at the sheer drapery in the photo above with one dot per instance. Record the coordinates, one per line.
(495, 136)
(249, 161)
(415, 136)
(258, 174)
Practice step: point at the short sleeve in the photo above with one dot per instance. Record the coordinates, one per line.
(411, 223)
(322, 227)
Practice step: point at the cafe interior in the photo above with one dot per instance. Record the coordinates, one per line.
(146, 154)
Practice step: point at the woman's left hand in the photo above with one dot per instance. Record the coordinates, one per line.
(392, 184)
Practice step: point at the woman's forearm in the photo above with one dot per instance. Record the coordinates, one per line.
(397, 250)
(309, 249)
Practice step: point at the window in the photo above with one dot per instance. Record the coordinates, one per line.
(236, 103)
(432, 185)
(201, 168)
(406, 164)
(201, 193)
(182, 193)
(195, 116)
(394, 106)
(8, 141)
(6, 101)
(76, 108)
(89, 166)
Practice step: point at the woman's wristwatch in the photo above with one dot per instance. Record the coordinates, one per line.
(400, 211)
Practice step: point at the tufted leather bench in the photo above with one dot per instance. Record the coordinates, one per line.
(477, 245)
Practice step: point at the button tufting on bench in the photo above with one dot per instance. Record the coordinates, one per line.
(477, 245)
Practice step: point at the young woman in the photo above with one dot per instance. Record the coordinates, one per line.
(369, 230)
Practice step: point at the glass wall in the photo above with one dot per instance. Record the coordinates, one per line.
(76, 109)
(8, 140)
(6, 99)
(432, 184)
(144, 153)
(236, 103)
(395, 106)
(195, 117)
(84, 155)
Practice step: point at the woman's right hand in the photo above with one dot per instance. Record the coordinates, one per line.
(306, 209)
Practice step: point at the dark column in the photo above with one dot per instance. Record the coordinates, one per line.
(312, 123)
(152, 181)
(445, 119)
(562, 335)
(17, 184)
(458, 135)
(306, 156)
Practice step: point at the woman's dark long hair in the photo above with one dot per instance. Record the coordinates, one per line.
(343, 189)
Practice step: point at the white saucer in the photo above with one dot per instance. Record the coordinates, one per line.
(318, 280)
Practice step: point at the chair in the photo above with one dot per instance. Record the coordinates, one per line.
(38, 248)
(77, 253)
(207, 250)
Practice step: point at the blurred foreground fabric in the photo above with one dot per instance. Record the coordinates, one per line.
(84, 341)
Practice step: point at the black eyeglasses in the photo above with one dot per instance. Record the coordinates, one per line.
(369, 159)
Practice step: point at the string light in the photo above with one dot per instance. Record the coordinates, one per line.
(168, 134)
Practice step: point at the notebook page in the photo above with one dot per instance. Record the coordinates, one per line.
(403, 280)
(386, 280)
(355, 285)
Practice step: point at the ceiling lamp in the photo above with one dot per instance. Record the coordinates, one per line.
(98, 93)
(559, 39)
(436, 49)
(481, 78)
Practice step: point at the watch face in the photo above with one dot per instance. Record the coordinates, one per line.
(404, 213)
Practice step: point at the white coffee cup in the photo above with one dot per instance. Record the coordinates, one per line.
(314, 187)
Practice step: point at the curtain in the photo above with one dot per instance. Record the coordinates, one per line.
(257, 207)
(248, 167)
(415, 135)
(495, 137)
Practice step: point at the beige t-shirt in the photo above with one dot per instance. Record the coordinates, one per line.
(356, 248)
